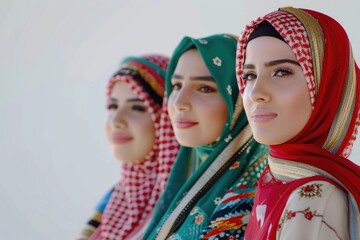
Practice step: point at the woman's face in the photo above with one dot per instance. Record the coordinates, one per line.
(129, 128)
(276, 97)
(197, 111)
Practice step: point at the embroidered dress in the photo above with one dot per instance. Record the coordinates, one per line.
(313, 194)
(188, 202)
(128, 209)
(230, 218)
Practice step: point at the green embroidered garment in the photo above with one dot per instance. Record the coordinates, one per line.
(189, 202)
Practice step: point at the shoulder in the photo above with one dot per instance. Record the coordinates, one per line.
(319, 206)
(318, 193)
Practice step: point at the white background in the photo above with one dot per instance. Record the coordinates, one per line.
(55, 60)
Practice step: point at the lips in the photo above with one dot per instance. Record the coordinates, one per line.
(183, 123)
(262, 115)
(120, 139)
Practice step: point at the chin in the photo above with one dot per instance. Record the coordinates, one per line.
(188, 144)
(263, 140)
(267, 141)
(120, 157)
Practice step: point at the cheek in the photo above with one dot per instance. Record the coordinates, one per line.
(170, 106)
(107, 129)
(150, 130)
(147, 136)
(216, 110)
(246, 103)
(298, 109)
(298, 101)
(145, 127)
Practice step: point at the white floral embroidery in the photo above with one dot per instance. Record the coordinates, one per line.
(217, 201)
(217, 61)
(248, 150)
(228, 138)
(203, 41)
(229, 89)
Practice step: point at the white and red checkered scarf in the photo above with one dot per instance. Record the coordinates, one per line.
(324, 52)
(140, 185)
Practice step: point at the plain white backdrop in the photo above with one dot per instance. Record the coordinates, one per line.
(55, 59)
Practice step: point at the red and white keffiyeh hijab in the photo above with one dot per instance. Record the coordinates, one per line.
(140, 185)
(323, 49)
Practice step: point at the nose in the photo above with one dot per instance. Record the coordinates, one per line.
(259, 90)
(117, 119)
(181, 100)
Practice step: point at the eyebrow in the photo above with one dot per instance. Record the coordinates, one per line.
(127, 100)
(273, 63)
(133, 100)
(196, 78)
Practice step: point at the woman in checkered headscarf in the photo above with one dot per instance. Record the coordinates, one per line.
(141, 138)
(300, 87)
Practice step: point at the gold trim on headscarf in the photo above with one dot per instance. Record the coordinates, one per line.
(316, 39)
(286, 171)
(344, 111)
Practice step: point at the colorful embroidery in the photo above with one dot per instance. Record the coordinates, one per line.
(311, 191)
(288, 215)
(235, 165)
(231, 223)
(231, 216)
(193, 211)
(199, 219)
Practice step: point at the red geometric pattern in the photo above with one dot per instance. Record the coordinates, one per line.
(292, 30)
(294, 33)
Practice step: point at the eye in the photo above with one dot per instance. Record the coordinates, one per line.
(176, 86)
(206, 89)
(139, 108)
(248, 76)
(112, 106)
(282, 72)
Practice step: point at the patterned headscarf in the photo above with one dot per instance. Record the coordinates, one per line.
(187, 203)
(324, 52)
(134, 196)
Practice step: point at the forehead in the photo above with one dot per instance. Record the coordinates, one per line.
(121, 90)
(267, 49)
(191, 64)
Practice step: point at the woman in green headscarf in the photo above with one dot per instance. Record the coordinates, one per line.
(217, 144)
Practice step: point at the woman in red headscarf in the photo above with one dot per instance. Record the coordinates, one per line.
(300, 86)
(140, 136)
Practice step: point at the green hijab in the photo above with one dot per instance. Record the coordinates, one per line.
(210, 166)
